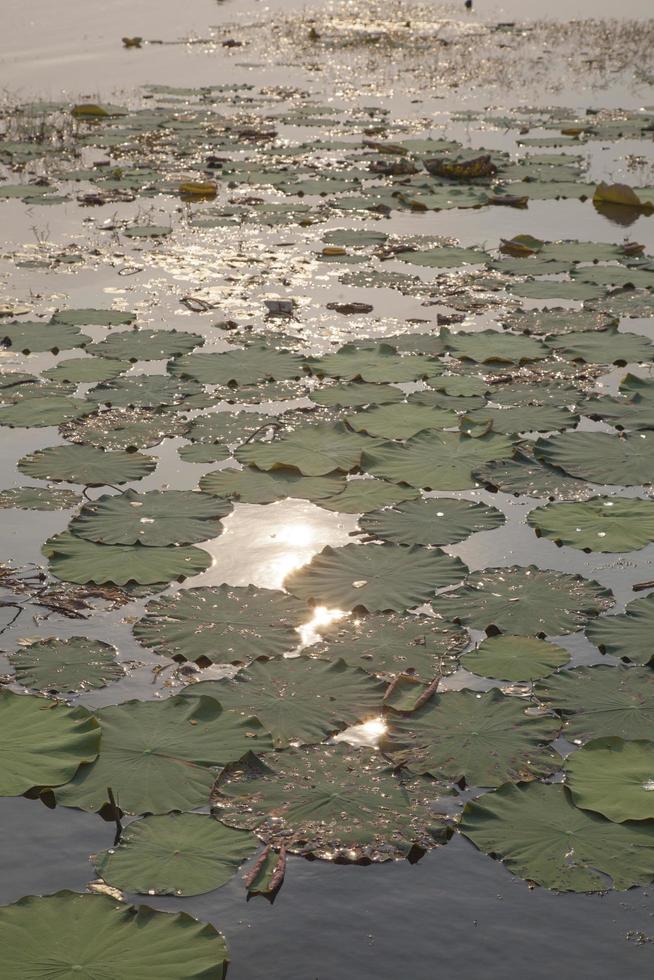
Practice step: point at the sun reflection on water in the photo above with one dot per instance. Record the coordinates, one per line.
(366, 735)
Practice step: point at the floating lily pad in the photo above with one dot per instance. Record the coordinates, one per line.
(328, 801)
(87, 370)
(96, 936)
(147, 231)
(37, 337)
(524, 601)
(244, 366)
(613, 777)
(230, 428)
(436, 521)
(481, 739)
(390, 644)
(610, 346)
(377, 578)
(377, 364)
(525, 475)
(38, 498)
(156, 518)
(356, 394)
(627, 635)
(175, 854)
(537, 831)
(42, 743)
(556, 289)
(159, 756)
(435, 460)
(38, 412)
(515, 658)
(73, 664)
(149, 391)
(600, 457)
(561, 321)
(315, 450)
(628, 303)
(363, 495)
(222, 624)
(97, 318)
(444, 257)
(493, 347)
(457, 386)
(554, 394)
(146, 345)
(607, 524)
(204, 452)
(118, 428)
(400, 421)
(252, 486)
(86, 465)
(600, 700)
(300, 700)
(526, 418)
(73, 559)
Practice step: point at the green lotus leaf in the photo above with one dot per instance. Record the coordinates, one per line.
(204, 452)
(300, 700)
(540, 835)
(555, 394)
(118, 428)
(87, 370)
(556, 289)
(42, 743)
(149, 391)
(561, 321)
(608, 524)
(356, 394)
(72, 664)
(613, 777)
(265, 391)
(440, 399)
(230, 428)
(68, 934)
(374, 364)
(363, 495)
(615, 275)
(435, 460)
(147, 231)
(525, 475)
(600, 457)
(222, 624)
(627, 635)
(421, 646)
(610, 346)
(97, 318)
(37, 412)
(627, 302)
(444, 257)
(86, 465)
(314, 450)
(480, 739)
(159, 756)
(38, 498)
(515, 658)
(459, 386)
(377, 578)
(436, 521)
(525, 418)
(37, 337)
(244, 366)
(156, 518)
(73, 559)
(252, 486)
(626, 414)
(532, 266)
(146, 345)
(400, 421)
(175, 854)
(524, 601)
(493, 347)
(355, 238)
(418, 343)
(328, 801)
(601, 700)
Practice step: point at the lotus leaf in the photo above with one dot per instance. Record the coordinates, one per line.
(437, 521)
(315, 450)
(493, 347)
(73, 664)
(525, 418)
(36, 338)
(525, 475)
(38, 498)
(363, 495)
(610, 346)
(118, 428)
(252, 486)
(400, 421)
(86, 465)
(600, 457)
(37, 412)
(245, 366)
(375, 364)
(149, 391)
(97, 318)
(600, 524)
(613, 777)
(146, 345)
(356, 394)
(628, 635)
(87, 370)
(515, 658)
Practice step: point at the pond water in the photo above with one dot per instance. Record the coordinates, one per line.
(419, 70)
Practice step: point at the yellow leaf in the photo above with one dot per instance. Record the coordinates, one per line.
(198, 188)
(620, 194)
(88, 110)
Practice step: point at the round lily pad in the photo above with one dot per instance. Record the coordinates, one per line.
(42, 743)
(300, 700)
(72, 664)
(493, 347)
(96, 318)
(610, 346)
(328, 801)
(156, 518)
(600, 457)
(540, 835)
(480, 739)
(38, 498)
(146, 345)
(400, 421)
(149, 391)
(609, 524)
(356, 394)
(557, 321)
(253, 486)
(601, 700)
(86, 465)
(613, 777)
(39, 412)
(36, 338)
(222, 624)
(525, 475)
(87, 370)
(363, 495)
(230, 428)
(524, 601)
(436, 521)
(526, 418)
(374, 364)
(315, 450)
(515, 658)
(627, 635)
(244, 366)
(204, 452)
(175, 854)
(73, 559)
(377, 578)
(68, 934)
(117, 428)
(159, 756)
(393, 644)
